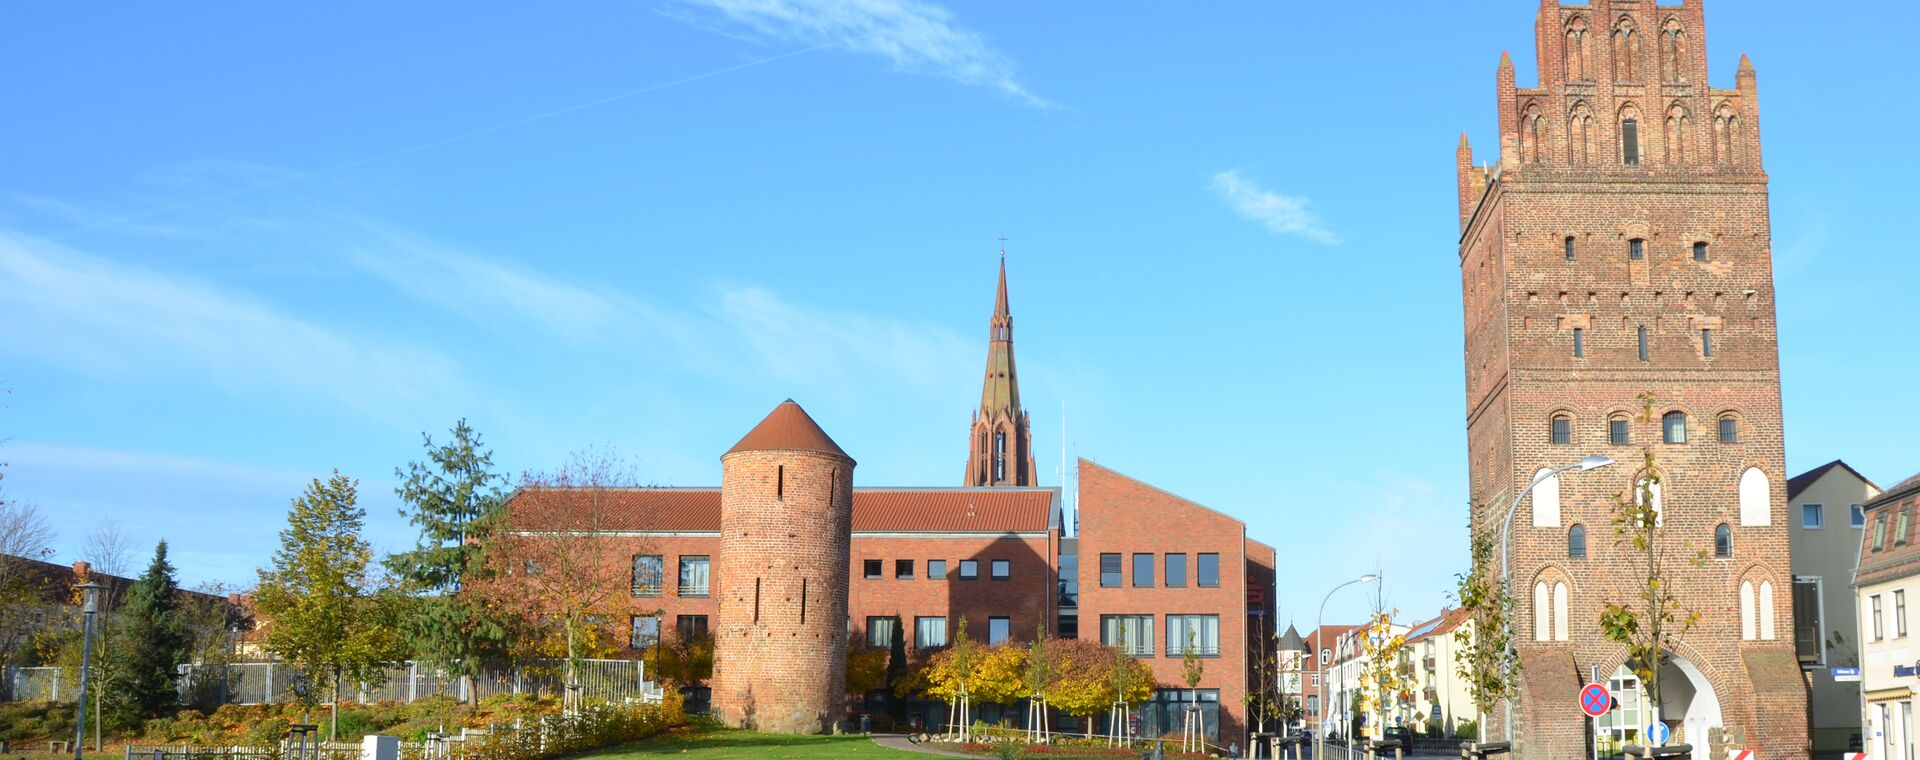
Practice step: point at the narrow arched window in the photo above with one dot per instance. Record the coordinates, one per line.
(1766, 610)
(1630, 141)
(1729, 429)
(1541, 610)
(1619, 430)
(1746, 611)
(1577, 541)
(1723, 541)
(1643, 343)
(1569, 246)
(1000, 456)
(1562, 430)
(1626, 47)
(1673, 427)
(1636, 249)
(1673, 51)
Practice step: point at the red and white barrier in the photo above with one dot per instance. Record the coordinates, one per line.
(1741, 754)
(1856, 756)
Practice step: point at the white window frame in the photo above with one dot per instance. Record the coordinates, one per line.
(1819, 598)
(1878, 629)
(1899, 613)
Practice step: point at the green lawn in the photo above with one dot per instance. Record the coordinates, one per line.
(711, 744)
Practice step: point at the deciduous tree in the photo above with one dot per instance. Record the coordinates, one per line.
(1484, 659)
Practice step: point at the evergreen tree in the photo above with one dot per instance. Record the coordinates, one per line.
(452, 497)
(154, 641)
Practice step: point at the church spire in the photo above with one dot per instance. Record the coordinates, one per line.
(1001, 443)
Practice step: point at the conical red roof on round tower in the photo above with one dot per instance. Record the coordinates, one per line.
(788, 428)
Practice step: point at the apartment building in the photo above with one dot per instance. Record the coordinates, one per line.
(1826, 505)
(1887, 583)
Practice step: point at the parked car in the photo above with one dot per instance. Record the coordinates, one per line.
(1399, 736)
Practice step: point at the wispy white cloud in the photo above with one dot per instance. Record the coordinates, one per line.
(914, 36)
(819, 346)
(101, 317)
(1280, 214)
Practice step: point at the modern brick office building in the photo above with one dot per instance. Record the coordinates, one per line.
(745, 561)
(1616, 255)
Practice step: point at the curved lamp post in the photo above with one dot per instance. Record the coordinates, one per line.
(1593, 462)
(1320, 663)
(90, 604)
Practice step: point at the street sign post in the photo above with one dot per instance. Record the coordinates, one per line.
(1846, 675)
(1594, 700)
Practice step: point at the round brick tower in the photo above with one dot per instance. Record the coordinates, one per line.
(786, 514)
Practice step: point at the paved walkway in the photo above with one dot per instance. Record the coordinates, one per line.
(899, 742)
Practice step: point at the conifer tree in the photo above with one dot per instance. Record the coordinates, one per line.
(452, 497)
(154, 640)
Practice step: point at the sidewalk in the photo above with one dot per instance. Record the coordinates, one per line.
(899, 742)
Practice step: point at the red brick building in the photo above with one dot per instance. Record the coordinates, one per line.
(1619, 249)
(1319, 656)
(741, 563)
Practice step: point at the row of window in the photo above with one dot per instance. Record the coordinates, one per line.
(1814, 516)
(1755, 498)
(650, 574)
(1133, 634)
(1673, 428)
(646, 629)
(1878, 541)
(1551, 621)
(1580, 343)
(1636, 250)
(1206, 566)
(1722, 541)
(1877, 628)
(875, 569)
(929, 632)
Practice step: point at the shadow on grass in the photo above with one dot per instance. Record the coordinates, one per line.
(728, 744)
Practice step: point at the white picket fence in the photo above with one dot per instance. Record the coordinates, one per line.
(248, 683)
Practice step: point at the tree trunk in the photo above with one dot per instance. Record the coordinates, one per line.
(333, 732)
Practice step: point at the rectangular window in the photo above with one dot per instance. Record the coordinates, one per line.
(1132, 634)
(998, 630)
(1636, 249)
(690, 627)
(1579, 342)
(1807, 636)
(1630, 143)
(880, 631)
(1729, 430)
(1316, 682)
(1813, 516)
(1879, 627)
(649, 575)
(1899, 613)
(929, 632)
(1201, 633)
(1643, 343)
(1109, 570)
(1209, 571)
(1002, 569)
(1143, 571)
(1617, 431)
(1859, 516)
(969, 569)
(646, 632)
(1880, 533)
(872, 569)
(1562, 431)
(1900, 529)
(903, 569)
(695, 572)
(1176, 571)
(1569, 245)
(1699, 251)
(1706, 342)
(936, 569)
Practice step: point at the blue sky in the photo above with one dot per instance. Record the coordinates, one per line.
(241, 245)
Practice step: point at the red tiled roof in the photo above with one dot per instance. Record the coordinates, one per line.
(788, 428)
(956, 510)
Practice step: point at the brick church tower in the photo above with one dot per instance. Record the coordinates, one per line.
(786, 520)
(1000, 445)
(1620, 246)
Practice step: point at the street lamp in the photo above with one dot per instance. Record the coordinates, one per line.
(89, 605)
(1320, 663)
(1590, 462)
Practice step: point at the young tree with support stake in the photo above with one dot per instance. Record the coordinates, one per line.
(453, 498)
(1485, 660)
(1192, 739)
(1652, 620)
(328, 622)
(1040, 679)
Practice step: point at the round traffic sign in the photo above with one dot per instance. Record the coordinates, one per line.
(1658, 734)
(1595, 701)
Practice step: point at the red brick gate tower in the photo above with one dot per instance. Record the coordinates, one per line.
(1620, 246)
(780, 642)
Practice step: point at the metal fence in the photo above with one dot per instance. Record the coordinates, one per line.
(249, 683)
